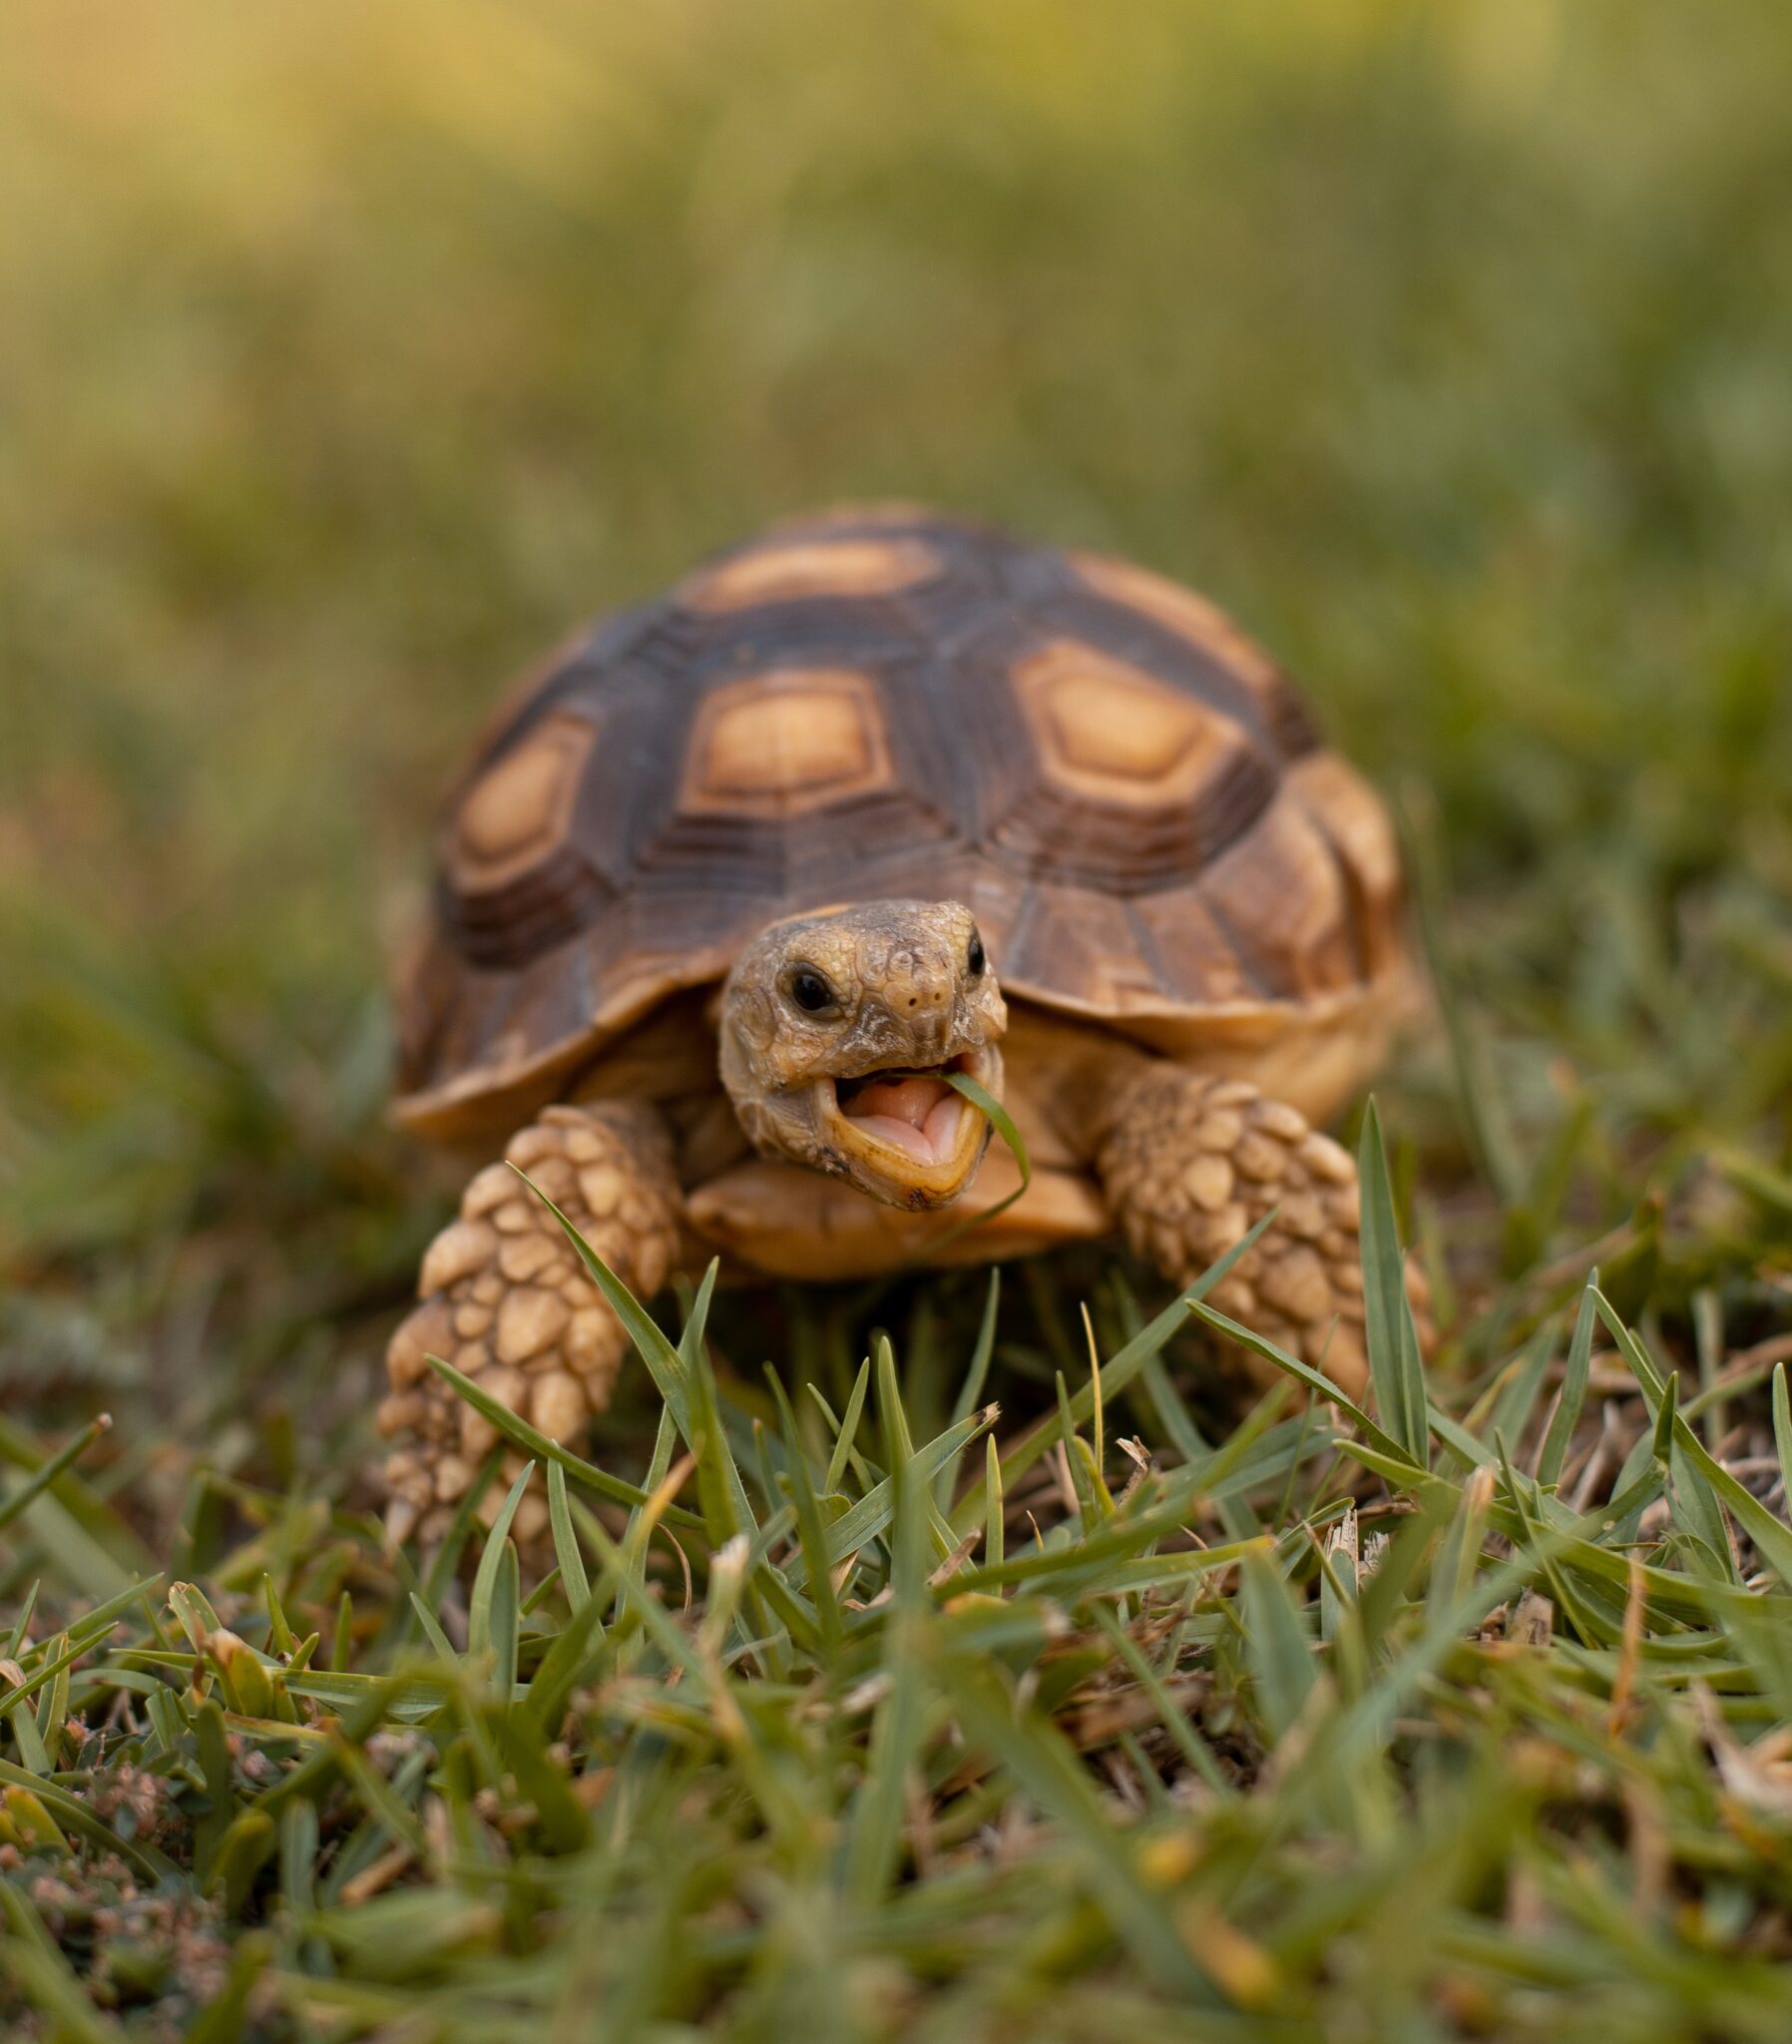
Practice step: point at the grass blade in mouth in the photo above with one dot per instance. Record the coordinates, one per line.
(998, 1118)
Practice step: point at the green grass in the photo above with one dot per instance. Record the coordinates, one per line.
(360, 352)
(1343, 1727)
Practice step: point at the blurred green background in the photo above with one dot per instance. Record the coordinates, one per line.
(352, 355)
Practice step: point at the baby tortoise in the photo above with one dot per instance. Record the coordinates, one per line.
(875, 797)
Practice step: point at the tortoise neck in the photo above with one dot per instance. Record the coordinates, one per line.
(1079, 1072)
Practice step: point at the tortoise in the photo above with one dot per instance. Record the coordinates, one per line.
(879, 796)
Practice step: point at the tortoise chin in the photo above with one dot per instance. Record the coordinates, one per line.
(903, 1134)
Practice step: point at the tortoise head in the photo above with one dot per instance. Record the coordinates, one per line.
(837, 1031)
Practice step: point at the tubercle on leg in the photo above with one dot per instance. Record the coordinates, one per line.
(506, 1300)
(1191, 1164)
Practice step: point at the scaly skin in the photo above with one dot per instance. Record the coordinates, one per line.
(1190, 1163)
(506, 1300)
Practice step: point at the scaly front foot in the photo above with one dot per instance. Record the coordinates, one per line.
(505, 1298)
(1191, 1164)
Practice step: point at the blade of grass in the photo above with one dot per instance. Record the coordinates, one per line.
(1277, 1647)
(432, 1631)
(847, 1431)
(1393, 1340)
(1575, 1378)
(1117, 1374)
(40, 1481)
(480, 1607)
(994, 1527)
(868, 1518)
(1770, 1535)
(533, 1441)
(665, 1365)
(971, 1390)
(566, 1542)
(1315, 1380)
(1782, 1430)
(811, 1529)
(1518, 1399)
(1003, 1123)
(1038, 1755)
(874, 1829)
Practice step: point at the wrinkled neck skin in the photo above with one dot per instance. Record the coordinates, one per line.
(836, 1032)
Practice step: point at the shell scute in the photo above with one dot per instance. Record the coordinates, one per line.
(781, 742)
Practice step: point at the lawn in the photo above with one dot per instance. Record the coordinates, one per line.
(923, 1661)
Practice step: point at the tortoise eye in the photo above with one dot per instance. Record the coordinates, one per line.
(810, 991)
(974, 958)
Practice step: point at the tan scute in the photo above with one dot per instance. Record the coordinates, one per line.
(1115, 732)
(778, 743)
(788, 574)
(520, 809)
(1203, 625)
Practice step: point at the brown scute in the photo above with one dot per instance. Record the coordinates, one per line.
(1190, 952)
(1357, 827)
(880, 702)
(876, 513)
(1075, 936)
(1279, 894)
(512, 927)
(514, 880)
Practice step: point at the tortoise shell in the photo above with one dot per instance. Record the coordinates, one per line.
(881, 701)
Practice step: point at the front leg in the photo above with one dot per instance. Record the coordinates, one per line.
(1190, 1163)
(505, 1298)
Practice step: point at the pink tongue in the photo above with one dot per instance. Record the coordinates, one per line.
(918, 1115)
(903, 1100)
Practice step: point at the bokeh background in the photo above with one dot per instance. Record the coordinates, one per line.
(350, 354)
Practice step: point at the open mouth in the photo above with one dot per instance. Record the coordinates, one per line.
(908, 1124)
